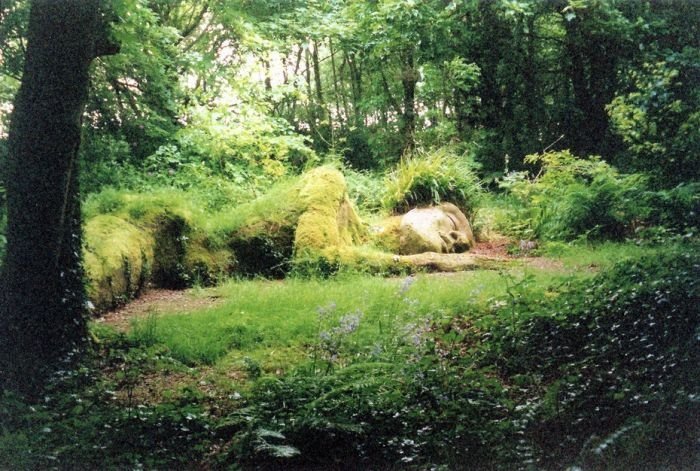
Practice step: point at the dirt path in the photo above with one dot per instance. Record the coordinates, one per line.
(498, 248)
(156, 301)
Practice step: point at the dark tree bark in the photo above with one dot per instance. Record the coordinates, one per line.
(356, 85)
(42, 301)
(409, 79)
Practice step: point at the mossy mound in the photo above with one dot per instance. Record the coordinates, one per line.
(147, 240)
(118, 260)
(299, 220)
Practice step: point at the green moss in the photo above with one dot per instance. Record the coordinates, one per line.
(371, 260)
(118, 259)
(261, 233)
(206, 262)
(300, 219)
(157, 238)
(329, 220)
(387, 235)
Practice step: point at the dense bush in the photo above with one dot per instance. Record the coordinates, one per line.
(81, 421)
(676, 208)
(425, 178)
(358, 153)
(573, 197)
(610, 370)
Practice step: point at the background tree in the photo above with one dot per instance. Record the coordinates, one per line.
(42, 303)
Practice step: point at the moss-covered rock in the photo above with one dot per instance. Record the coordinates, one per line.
(118, 259)
(441, 229)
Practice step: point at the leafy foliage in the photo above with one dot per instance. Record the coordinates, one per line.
(676, 208)
(80, 413)
(572, 197)
(658, 118)
(430, 178)
(612, 365)
(617, 384)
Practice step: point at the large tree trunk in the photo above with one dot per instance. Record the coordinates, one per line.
(42, 301)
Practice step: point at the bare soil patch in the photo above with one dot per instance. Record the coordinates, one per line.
(157, 301)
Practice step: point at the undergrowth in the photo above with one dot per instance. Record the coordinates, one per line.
(519, 369)
(602, 376)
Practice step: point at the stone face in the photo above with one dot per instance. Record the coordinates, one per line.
(440, 229)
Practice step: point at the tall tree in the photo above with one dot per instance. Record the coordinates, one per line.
(42, 300)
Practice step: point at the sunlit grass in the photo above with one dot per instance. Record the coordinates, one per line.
(276, 323)
(582, 256)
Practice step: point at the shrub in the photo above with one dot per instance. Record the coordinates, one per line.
(609, 371)
(365, 189)
(676, 208)
(358, 153)
(82, 422)
(573, 197)
(426, 178)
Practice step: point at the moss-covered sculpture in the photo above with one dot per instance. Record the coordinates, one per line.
(306, 224)
(146, 243)
(308, 219)
(118, 257)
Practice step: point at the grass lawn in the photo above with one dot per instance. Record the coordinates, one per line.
(276, 324)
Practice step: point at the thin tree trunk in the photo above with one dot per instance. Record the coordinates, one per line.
(42, 301)
(409, 79)
(293, 105)
(321, 108)
(268, 76)
(344, 97)
(356, 84)
(335, 86)
(311, 110)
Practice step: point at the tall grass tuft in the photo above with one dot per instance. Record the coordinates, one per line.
(432, 177)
